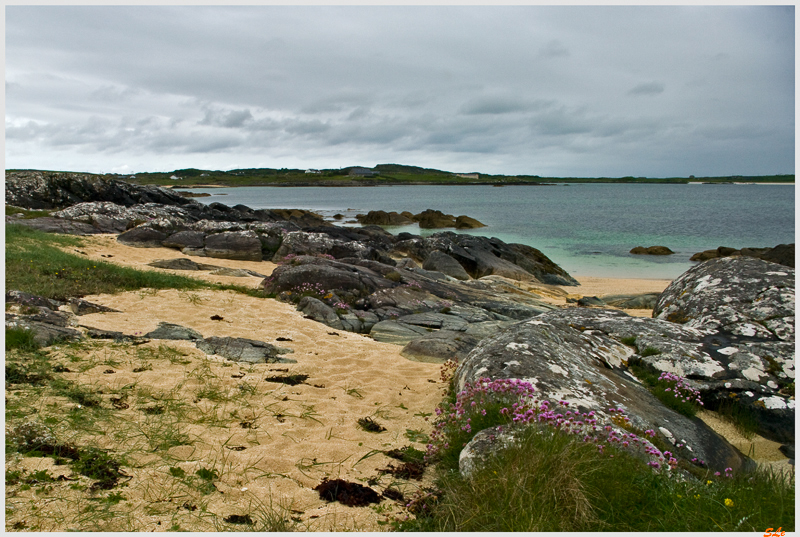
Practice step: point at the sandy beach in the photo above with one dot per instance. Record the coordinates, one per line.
(270, 443)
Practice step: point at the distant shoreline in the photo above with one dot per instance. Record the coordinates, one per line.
(428, 183)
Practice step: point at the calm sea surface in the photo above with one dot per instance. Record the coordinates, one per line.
(588, 229)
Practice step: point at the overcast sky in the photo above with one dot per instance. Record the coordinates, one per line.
(551, 91)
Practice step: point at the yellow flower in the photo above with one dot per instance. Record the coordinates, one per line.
(728, 502)
(708, 482)
(696, 496)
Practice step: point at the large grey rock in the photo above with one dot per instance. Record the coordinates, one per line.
(319, 311)
(240, 245)
(49, 224)
(482, 256)
(722, 367)
(445, 264)
(142, 237)
(185, 239)
(440, 346)
(739, 295)
(395, 332)
(244, 350)
(587, 369)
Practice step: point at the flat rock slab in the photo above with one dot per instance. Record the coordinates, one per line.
(182, 263)
(28, 299)
(84, 307)
(173, 331)
(396, 332)
(438, 347)
(43, 333)
(244, 350)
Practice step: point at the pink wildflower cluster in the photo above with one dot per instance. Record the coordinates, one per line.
(681, 389)
(728, 472)
(307, 288)
(519, 406)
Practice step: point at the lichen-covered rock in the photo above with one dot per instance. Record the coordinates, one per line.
(738, 295)
(586, 369)
(54, 190)
(722, 367)
(109, 217)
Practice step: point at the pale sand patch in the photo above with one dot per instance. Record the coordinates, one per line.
(297, 434)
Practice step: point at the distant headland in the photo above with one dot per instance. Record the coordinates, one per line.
(392, 175)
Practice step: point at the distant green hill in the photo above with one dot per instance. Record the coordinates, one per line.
(394, 174)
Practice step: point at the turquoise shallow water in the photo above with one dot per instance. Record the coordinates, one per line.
(588, 229)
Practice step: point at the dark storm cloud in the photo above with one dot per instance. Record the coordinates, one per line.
(575, 90)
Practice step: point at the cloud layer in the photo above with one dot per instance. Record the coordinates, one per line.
(562, 91)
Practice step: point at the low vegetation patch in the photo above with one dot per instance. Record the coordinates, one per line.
(551, 479)
(35, 264)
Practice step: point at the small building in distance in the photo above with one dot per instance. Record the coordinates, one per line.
(313, 171)
(468, 175)
(362, 172)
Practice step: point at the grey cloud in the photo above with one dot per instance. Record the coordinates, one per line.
(228, 119)
(554, 49)
(648, 88)
(493, 105)
(516, 87)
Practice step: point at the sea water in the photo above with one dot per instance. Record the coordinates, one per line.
(587, 228)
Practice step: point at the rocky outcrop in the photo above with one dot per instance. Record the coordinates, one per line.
(57, 190)
(383, 218)
(587, 369)
(783, 254)
(651, 250)
(393, 304)
(726, 326)
(428, 219)
(483, 256)
(741, 296)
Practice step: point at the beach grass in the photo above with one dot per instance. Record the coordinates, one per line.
(551, 482)
(548, 480)
(36, 263)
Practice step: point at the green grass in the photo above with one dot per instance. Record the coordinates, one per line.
(551, 482)
(20, 338)
(35, 265)
(649, 377)
(26, 214)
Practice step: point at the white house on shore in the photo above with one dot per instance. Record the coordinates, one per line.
(468, 175)
(313, 171)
